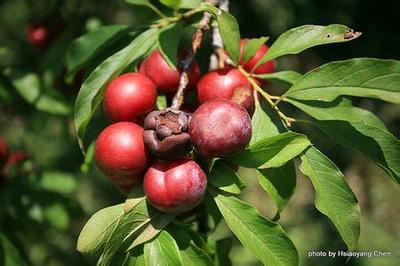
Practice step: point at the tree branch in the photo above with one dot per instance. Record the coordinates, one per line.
(217, 59)
(196, 42)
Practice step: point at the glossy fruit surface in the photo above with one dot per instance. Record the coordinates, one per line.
(220, 127)
(175, 187)
(4, 152)
(226, 83)
(129, 96)
(164, 77)
(120, 153)
(267, 67)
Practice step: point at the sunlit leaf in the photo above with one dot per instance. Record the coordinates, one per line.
(362, 77)
(251, 47)
(301, 38)
(271, 152)
(279, 183)
(287, 76)
(162, 251)
(94, 232)
(168, 40)
(334, 197)
(263, 238)
(224, 178)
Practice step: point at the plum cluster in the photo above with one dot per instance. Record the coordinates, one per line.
(157, 145)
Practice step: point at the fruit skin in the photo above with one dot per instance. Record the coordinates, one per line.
(220, 127)
(120, 153)
(267, 67)
(129, 96)
(175, 187)
(4, 152)
(226, 83)
(164, 77)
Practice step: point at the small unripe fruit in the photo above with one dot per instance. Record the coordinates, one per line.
(220, 127)
(120, 153)
(164, 77)
(175, 187)
(37, 35)
(267, 67)
(228, 84)
(129, 96)
(4, 152)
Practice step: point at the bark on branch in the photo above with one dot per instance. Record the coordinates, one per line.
(203, 26)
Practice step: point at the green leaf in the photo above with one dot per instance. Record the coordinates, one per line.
(174, 4)
(357, 129)
(140, 223)
(162, 101)
(163, 250)
(181, 4)
(59, 182)
(223, 247)
(229, 30)
(362, 77)
(10, 254)
(92, 90)
(376, 143)
(265, 123)
(340, 109)
(195, 256)
(224, 178)
(271, 152)
(263, 238)
(151, 229)
(52, 61)
(191, 254)
(189, 4)
(168, 41)
(5, 95)
(288, 76)
(98, 227)
(135, 257)
(86, 47)
(251, 47)
(28, 85)
(279, 183)
(301, 38)
(334, 197)
(89, 156)
(57, 215)
(138, 2)
(212, 209)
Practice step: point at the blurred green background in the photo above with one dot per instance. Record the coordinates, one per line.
(46, 199)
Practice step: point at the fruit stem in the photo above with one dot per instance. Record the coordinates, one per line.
(273, 97)
(287, 120)
(279, 99)
(203, 26)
